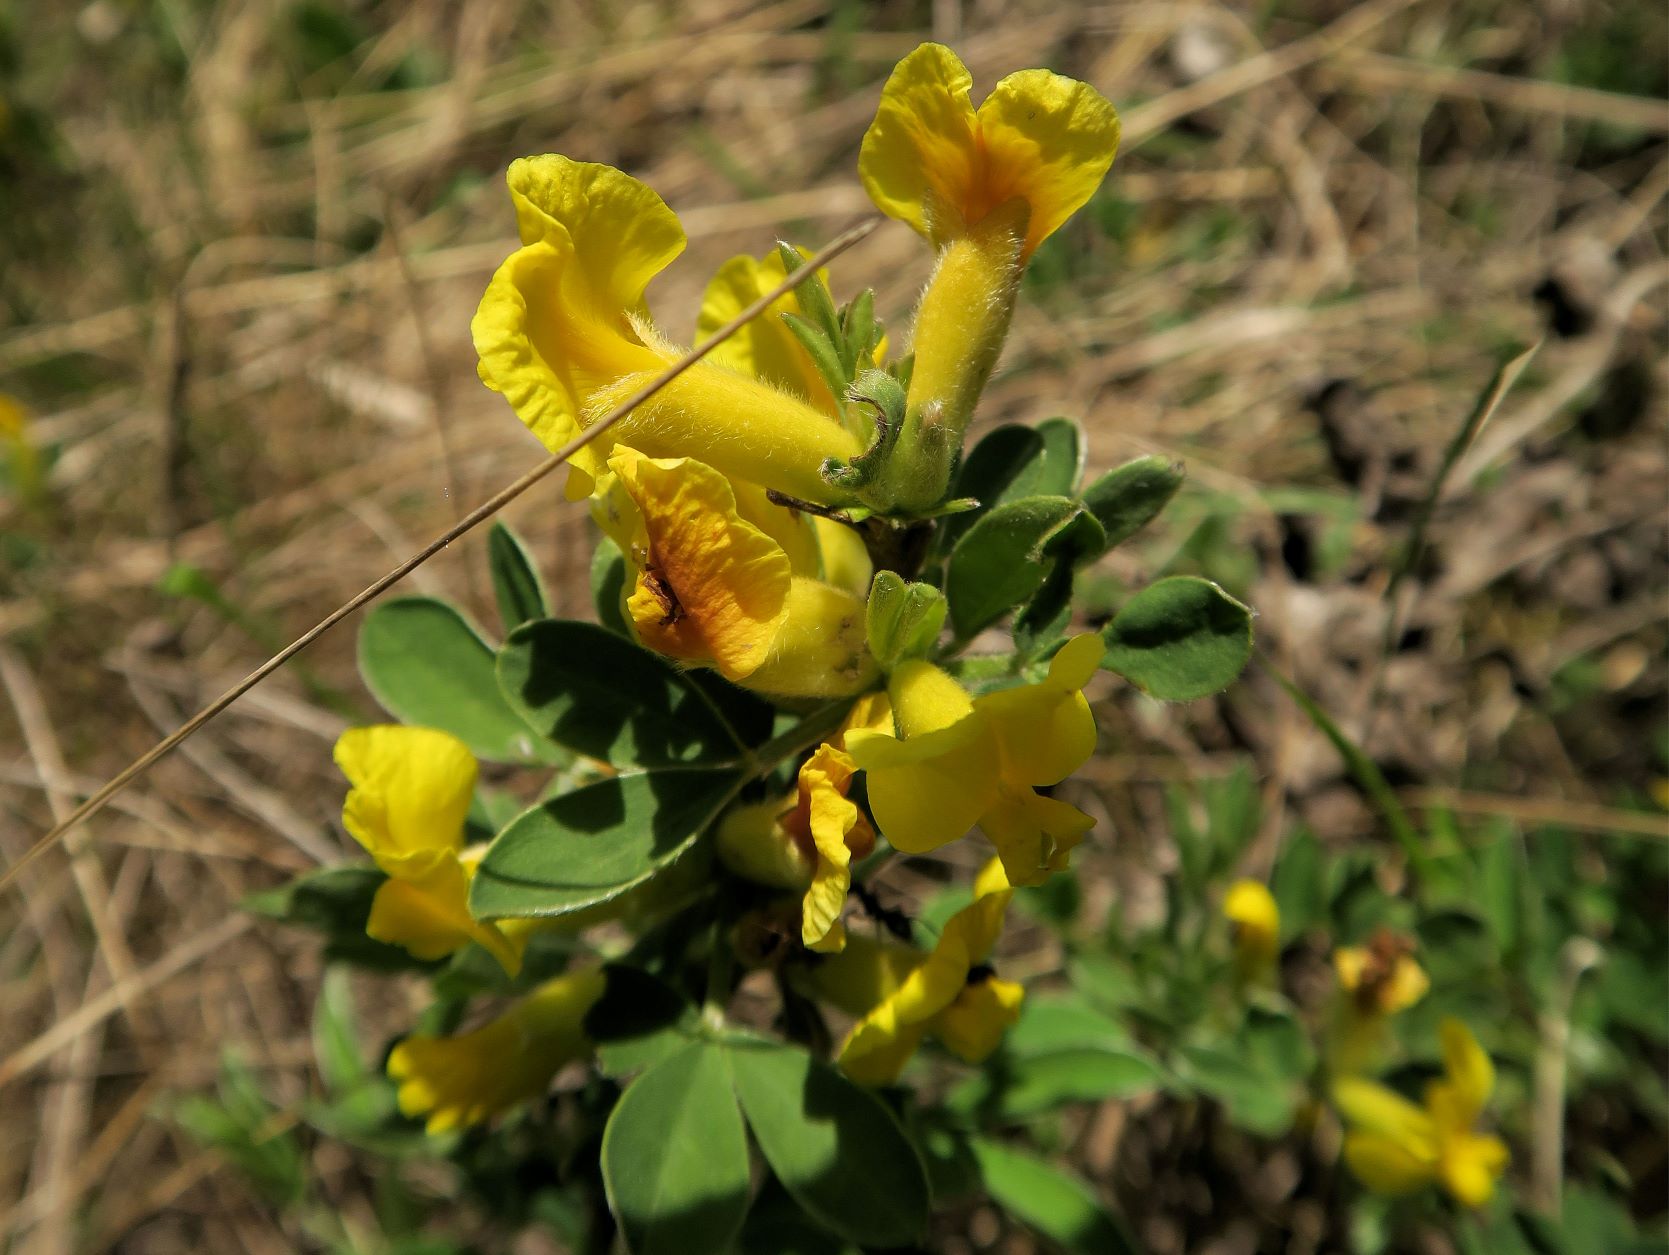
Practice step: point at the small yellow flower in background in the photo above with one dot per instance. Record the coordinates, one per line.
(1395, 1147)
(564, 334)
(472, 1077)
(1381, 978)
(411, 792)
(1256, 920)
(718, 579)
(957, 761)
(1376, 981)
(904, 995)
(985, 187)
(18, 454)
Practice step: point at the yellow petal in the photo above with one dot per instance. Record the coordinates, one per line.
(622, 233)
(1251, 908)
(1034, 835)
(1471, 1165)
(931, 789)
(926, 698)
(472, 1077)
(1407, 985)
(870, 713)
(1470, 1075)
(1372, 1108)
(764, 348)
(1046, 730)
(920, 157)
(863, 975)
(878, 1047)
(425, 910)
(972, 1027)
(930, 161)
(971, 933)
(1048, 140)
(549, 353)
(1349, 962)
(411, 789)
(838, 830)
(712, 587)
(1386, 1166)
(562, 333)
(789, 528)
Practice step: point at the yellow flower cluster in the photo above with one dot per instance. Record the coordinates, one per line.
(716, 492)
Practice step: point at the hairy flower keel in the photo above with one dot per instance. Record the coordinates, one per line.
(563, 333)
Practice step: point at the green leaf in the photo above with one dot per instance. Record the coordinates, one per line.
(675, 1156)
(586, 689)
(822, 351)
(335, 1040)
(608, 586)
(427, 666)
(1059, 1207)
(1255, 1100)
(593, 844)
(516, 582)
(1051, 1023)
(1501, 878)
(336, 901)
(777, 1225)
(1012, 462)
(1179, 639)
(1016, 1089)
(1128, 497)
(832, 1144)
(902, 620)
(1299, 884)
(637, 1022)
(1003, 559)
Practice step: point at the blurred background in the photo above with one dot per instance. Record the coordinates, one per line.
(240, 244)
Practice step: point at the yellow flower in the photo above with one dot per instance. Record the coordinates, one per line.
(564, 334)
(986, 187)
(472, 1077)
(1395, 1147)
(718, 583)
(958, 761)
(411, 792)
(1375, 982)
(931, 160)
(808, 840)
(18, 454)
(950, 993)
(1381, 978)
(1256, 920)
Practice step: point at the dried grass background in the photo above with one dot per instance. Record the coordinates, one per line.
(237, 278)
